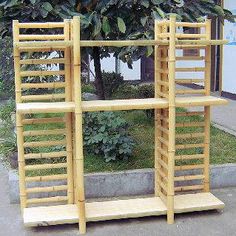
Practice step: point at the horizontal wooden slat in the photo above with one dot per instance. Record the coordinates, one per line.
(44, 143)
(41, 73)
(42, 25)
(46, 166)
(42, 49)
(43, 120)
(190, 91)
(45, 178)
(43, 44)
(41, 36)
(190, 69)
(42, 61)
(190, 58)
(45, 155)
(189, 167)
(188, 177)
(47, 200)
(51, 85)
(189, 157)
(190, 124)
(44, 132)
(46, 189)
(189, 188)
(190, 113)
(189, 146)
(190, 135)
(190, 24)
(188, 81)
(56, 96)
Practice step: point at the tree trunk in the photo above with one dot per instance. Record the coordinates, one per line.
(98, 73)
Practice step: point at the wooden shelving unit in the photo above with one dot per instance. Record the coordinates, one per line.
(181, 185)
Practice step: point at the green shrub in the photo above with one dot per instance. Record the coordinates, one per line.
(88, 88)
(146, 91)
(106, 134)
(126, 91)
(111, 82)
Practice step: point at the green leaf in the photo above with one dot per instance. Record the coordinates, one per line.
(149, 51)
(33, 1)
(47, 6)
(219, 10)
(144, 20)
(157, 2)
(145, 3)
(105, 25)
(160, 12)
(121, 25)
(97, 26)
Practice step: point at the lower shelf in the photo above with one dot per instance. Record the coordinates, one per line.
(119, 209)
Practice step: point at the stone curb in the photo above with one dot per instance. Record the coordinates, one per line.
(124, 183)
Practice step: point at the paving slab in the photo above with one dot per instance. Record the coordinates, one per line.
(190, 224)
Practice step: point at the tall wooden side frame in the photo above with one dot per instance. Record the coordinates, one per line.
(65, 98)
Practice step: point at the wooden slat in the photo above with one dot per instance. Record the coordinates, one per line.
(47, 189)
(188, 177)
(190, 91)
(41, 36)
(48, 25)
(46, 178)
(42, 61)
(44, 132)
(189, 188)
(51, 85)
(190, 135)
(189, 167)
(55, 96)
(189, 146)
(43, 120)
(45, 155)
(43, 44)
(190, 58)
(188, 81)
(189, 157)
(190, 113)
(44, 143)
(190, 124)
(47, 200)
(190, 69)
(41, 73)
(46, 166)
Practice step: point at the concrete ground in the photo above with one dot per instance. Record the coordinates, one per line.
(191, 224)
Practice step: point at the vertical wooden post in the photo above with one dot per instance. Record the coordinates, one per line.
(19, 125)
(79, 159)
(207, 110)
(221, 47)
(68, 116)
(157, 66)
(171, 141)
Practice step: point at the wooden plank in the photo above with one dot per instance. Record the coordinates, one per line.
(95, 211)
(44, 25)
(125, 104)
(197, 202)
(46, 178)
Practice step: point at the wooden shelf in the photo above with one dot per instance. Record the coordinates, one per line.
(42, 107)
(124, 104)
(199, 101)
(119, 209)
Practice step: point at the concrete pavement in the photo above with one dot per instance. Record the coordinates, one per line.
(191, 224)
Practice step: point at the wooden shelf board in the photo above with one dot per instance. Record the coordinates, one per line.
(118, 209)
(42, 107)
(200, 101)
(197, 202)
(124, 104)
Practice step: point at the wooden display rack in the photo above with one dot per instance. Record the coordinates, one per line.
(62, 97)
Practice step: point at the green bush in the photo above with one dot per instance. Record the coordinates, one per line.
(111, 82)
(88, 88)
(106, 134)
(126, 91)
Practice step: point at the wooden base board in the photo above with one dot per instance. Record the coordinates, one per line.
(119, 209)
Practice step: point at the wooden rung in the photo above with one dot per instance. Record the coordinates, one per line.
(190, 24)
(162, 163)
(46, 97)
(162, 175)
(162, 152)
(48, 199)
(44, 44)
(189, 167)
(41, 36)
(46, 166)
(44, 132)
(46, 189)
(162, 71)
(163, 83)
(190, 113)
(163, 186)
(46, 178)
(41, 49)
(190, 58)
(190, 135)
(166, 131)
(205, 42)
(189, 146)
(164, 141)
(188, 81)
(191, 46)
(163, 118)
(51, 85)
(188, 177)
(189, 157)
(189, 188)
(164, 95)
(42, 61)
(45, 155)
(43, 120)
(190, 124)
(190, 69)
(190, 91)
(44, 143)
(190, 36)
(49, 25)
(41, 73)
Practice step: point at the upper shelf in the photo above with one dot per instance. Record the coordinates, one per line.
(116, 105)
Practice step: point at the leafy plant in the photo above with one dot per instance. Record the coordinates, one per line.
(87, 88)
(111, 81)
(106, 134)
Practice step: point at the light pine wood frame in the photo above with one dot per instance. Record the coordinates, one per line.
(166, 201)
